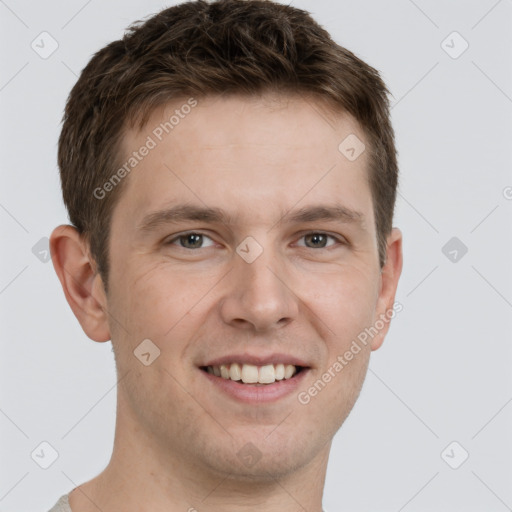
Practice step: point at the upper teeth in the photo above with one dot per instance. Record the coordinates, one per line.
(251, 374)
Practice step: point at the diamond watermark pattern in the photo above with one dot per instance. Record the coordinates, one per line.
(455, 455)
(44, 455)
(44, 45)
(249, 249)
(454, 249)
(249, 455)
(146, 352)
(41, 250)
(454, 45)
(351, 147)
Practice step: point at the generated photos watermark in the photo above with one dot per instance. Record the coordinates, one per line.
(151, 143)
(342, 360)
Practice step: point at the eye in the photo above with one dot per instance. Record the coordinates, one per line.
(190, 240)
(318, 240)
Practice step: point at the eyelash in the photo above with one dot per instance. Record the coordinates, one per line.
(186, 233)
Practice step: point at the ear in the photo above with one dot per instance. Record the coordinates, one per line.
(82, 285)
(390, 274)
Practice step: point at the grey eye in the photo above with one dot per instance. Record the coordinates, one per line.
(317, 240)
(191, 240)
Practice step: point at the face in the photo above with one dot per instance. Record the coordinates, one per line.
(244, 240)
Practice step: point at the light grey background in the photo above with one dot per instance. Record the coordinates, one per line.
(444, 371)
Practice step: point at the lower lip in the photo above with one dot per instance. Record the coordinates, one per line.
(253, 394)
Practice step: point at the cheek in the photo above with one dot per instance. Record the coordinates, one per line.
(346, 303)
(348, 308)
(153, 302)
(148, 292)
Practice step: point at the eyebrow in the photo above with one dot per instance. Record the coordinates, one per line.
(180, 213)
(334, 212)
(212, 215)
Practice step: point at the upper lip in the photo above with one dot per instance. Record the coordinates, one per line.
(257, 360)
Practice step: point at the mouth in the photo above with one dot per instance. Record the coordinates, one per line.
(255, 383)
(253, 374)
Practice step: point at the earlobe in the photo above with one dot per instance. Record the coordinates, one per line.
(390, 275)
(75, 269)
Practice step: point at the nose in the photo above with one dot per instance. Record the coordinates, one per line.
(260, 295)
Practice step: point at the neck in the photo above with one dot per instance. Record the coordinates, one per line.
(145, 475)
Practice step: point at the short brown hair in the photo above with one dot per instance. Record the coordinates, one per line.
(201, 48)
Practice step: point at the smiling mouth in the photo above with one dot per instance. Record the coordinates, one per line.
(255, 375)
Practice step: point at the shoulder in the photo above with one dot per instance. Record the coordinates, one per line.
(62, 505)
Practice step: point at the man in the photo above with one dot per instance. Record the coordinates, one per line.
(230, 175)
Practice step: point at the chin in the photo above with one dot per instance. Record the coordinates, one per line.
(264, 457)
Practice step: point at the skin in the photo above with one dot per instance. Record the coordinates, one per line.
(177, 436)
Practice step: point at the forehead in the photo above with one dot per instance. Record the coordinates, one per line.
(211, 120)
(239, 153)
